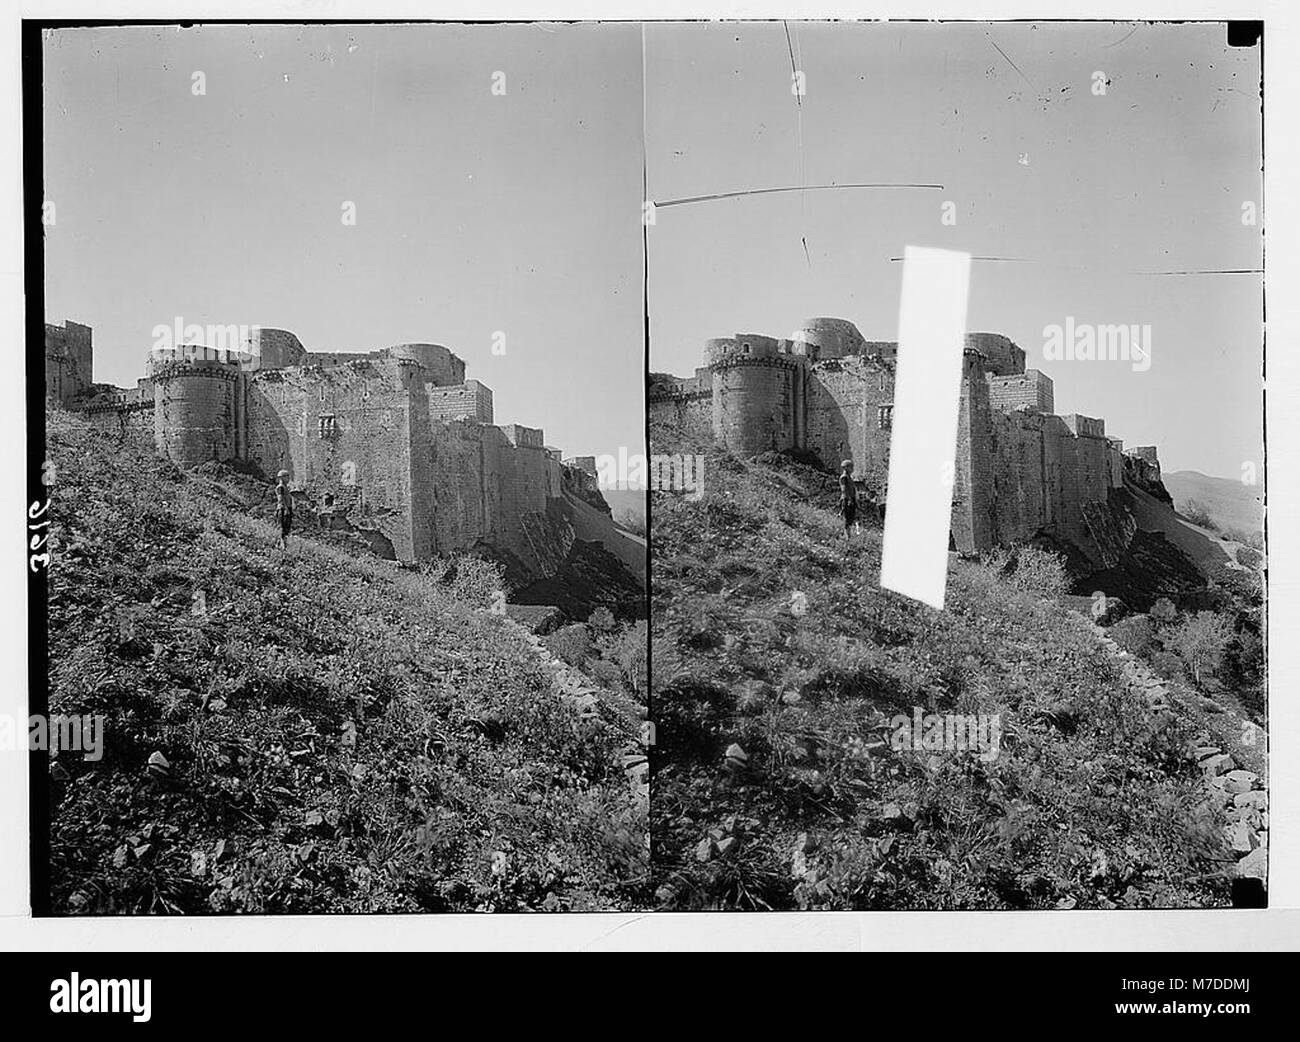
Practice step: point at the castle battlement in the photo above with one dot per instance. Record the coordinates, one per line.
(396, 439)
(1020, 469)
(214, 369)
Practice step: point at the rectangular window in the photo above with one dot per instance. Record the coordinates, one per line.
(326, 424)
(886, 417)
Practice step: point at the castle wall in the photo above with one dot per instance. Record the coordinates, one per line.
(554, 476)
(271, 348)
(1115, 462)
(1001, 355)
(849, 416)
(684, 403)
(1030, 389)
(470, 399)
(832, 337)
(530, 465)
(122, 417)
(68, 361)
(692, 413)
(973, 521)
(440, 365)
(343, 431)
(456, 503)
(118, 410)
(420, 470)
(519, 435)
(484, 487)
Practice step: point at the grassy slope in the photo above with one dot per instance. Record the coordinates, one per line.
(342, 736)
(1091, 803)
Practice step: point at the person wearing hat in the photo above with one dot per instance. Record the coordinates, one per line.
(283, 507)
(848, 498)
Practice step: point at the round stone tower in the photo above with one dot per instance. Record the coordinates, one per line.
(273, 348)
(756, 393)
(834, 337)
(197, 411)
(442, 367)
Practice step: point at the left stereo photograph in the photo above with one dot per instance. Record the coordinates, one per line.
(332, 334)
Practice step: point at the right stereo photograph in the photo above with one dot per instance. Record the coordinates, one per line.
(957, 524)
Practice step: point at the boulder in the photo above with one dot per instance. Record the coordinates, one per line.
(1242, 838)
(1255, 864)
(1239, 781)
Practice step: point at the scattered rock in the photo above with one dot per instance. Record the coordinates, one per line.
(1239, 781)
(1256, 800)
(1249, 815)
(736, 758)
(1255, 864)
(1220, 763)
(158, 765)
(1243, 838)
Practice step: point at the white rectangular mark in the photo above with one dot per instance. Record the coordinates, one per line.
(927, 391)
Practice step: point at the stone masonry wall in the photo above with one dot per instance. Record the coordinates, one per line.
(470, 399)
(849, 416)
(691, 413)
(343, 431)
(68, 361)
(1031, 389)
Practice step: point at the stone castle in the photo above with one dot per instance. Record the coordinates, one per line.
(396, 442)
(1021, 471)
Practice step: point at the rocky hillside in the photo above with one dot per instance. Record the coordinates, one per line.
(780, 671)
(312, 731)
(603, 566)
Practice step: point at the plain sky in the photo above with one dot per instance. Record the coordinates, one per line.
(476, 213)
(1084, 191)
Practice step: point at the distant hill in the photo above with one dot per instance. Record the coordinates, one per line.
(1229, 502)
(625, 501)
